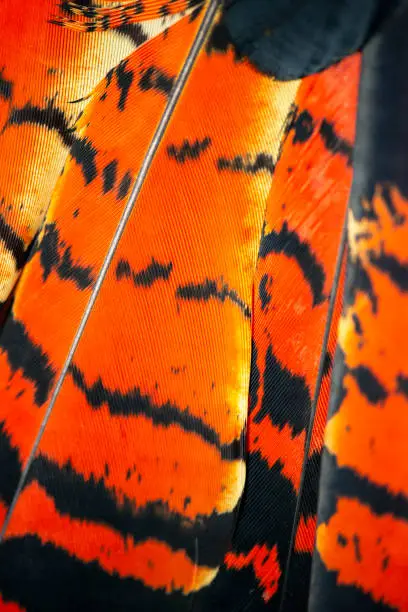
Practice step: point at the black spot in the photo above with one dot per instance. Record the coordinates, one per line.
(84, 154)
(187, 502)
(164, 10)
(124, 186)
(124, 79)
(301, 124)
(109, 175)
(211, 289)
(6, 88)
(357, 324)
(29, 358)
(288, 242)
(264, 295)
(49, 250)
(134, 32)
(154, 78)
(146, 277)
(402, 384)
(188, 150)
(123, 270)
(342, 540)
(357, 551)
(369, 385)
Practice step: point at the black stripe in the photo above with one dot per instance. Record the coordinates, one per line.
(134, 32)
(52, 259)
(193, 3)
(298, 586)
(45, 578)
(288, 242)
(301, 124)
(50, 117)
(229, 591)
(286, 398)
(335, 144)
(395, 269)
(265, 517)
(357, 280)
(336, 482)
(265, 488)
(68, 270)
(212, 289)
(308, 503)
(6, 88)
(264, 293)
(10, 471)
(154, 78)
(134, 403)
(188, 150)
(247, 164)
(90, 500)
(328, 594)
(309, 428)
(255, 378)
(109, 175)
(28, 357)
(144, 278)
(13, 242)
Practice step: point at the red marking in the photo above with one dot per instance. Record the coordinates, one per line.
(278, 444)
(264, 563)
(6, 606)
(306, 535)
